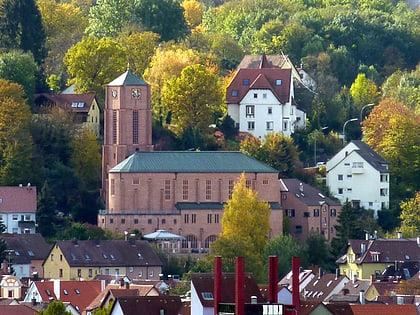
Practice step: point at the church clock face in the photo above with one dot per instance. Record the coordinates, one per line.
(135, 93)
(114, 93)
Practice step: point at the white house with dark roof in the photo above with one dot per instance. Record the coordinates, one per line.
(261, 99)
(359, 175)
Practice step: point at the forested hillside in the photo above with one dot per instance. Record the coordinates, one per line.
(357, 52)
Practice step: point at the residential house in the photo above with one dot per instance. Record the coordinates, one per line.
(308, 210)
(382, 309)
(76, 260)
(10, 287)
(26, 253)
(350, 292)
(261, 100)
(378, 288)
(150, 305)
(357, 174)
(182, 192)
(323, 286)
(77, 295)
(18, 208)
(84, 108)
(17, 310)
(370, 257)
(202, 288)
(305, 276)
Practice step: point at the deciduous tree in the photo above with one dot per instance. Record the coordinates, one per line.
(364, 91)
(55, 308)
(410, 216)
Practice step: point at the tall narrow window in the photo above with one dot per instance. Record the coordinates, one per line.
(136, 127)
(250, 111)
(209, 218)
(208, 189)
(167, 189)
(231, 182)
(114, 127)
(185, 189)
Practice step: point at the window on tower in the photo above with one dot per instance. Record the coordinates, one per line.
(114, 127)
(136, 127)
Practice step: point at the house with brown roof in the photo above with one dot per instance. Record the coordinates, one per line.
(84, 108)
(17, 309)
(18, 208)
(323, 286)
(350, 292)
(261, 99)
(150, 305)
(79, 294)
(382, 309)
(27, 252)
(72, 260)
(372, 256)
(308, 210)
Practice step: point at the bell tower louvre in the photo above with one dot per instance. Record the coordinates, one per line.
(127, 122)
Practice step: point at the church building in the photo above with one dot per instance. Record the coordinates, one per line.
(179, 191)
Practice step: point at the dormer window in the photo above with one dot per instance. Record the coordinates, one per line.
(245, 82)
(279, 82)
(234, 93)
(375, 256)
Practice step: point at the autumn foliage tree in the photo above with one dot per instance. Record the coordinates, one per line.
(245, 228)
(410, 216)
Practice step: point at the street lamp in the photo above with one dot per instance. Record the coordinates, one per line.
(322, 129)
(363, 108)
(344, 128)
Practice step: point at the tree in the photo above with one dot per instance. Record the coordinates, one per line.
(46, 212)
(193, 12)
(193, 98)
(3, 244)
(318, 252)
(86, 67)
(245, 228)
(277, 150)
(58, 18)
(55, 308)
(364, 91)
(21, 28)
(164, 17)
(410, 216)
(15, 139)
(19, 67)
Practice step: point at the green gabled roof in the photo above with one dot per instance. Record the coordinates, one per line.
(127, 78)
(191, 162)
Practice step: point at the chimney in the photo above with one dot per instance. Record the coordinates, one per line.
(362, 248)
(57, 288)
(319, 273)
(367, 236)
(127, 285)
(372, 279)
(301, 187)
(217, 283)
(362, 297)
(273, 274)
(399, 235)
(337, 273)
(295, 283)
(240, 286)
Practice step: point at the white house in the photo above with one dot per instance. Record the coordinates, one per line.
(18, 208)
(359, 175)
(261, 99)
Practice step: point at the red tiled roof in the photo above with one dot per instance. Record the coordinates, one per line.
(383, 309)
(18, 199)
(151, 305)
(264, 78)
(78, 103)
(16, 310)
(78, 293)
(385, 288)
(320, 287)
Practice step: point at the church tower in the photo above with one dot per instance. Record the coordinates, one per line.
(127, 122)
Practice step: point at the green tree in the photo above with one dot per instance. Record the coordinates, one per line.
(20, 68)
(277, 150)
(46, 212)
(285, 247)
(164, 17)
(86, 67)
(318, 252)
(58, 19)
(245, 228)
(15, 139)
(410, 216)
(55, 308)
(3, 244)
(364, 91)
(21, 28)
(193, 98)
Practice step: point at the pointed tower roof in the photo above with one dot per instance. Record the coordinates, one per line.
(127, 78)
(264, 62)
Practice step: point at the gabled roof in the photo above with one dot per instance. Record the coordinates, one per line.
(264, 78)
(204, 283)
(110, 253)
(151, 305)
(127, 78)
(321, 287)
(16, 310)
(370, 156)
(339, 309)
(350, 292)
(382, 309)
(191, 162)
(78, 293)
(27, 247)
(18, 199)
(385, 288)
(388, 250)
(307, 194)
(262, 61)
(76, 103)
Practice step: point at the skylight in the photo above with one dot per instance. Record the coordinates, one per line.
(207, 295)
(31, 253)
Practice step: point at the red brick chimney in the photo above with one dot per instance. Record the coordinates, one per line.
(240, 286)
(217, 282)
(273, 274)
(295, 283)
